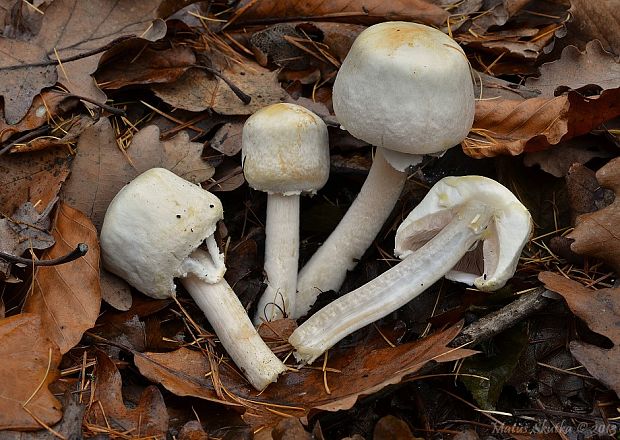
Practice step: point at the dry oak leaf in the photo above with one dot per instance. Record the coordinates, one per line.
(596, 20)
(358, 370)
(197, 90)
(35, 178)
(100, 169)
(369, 12)
(575, 69)
(148, 418)
(600, 309)
(597, 234)
(511, 127)
(70, 28)
(29, 364)
(68, 296)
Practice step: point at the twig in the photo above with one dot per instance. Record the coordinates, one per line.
(504, 318)
(109, 108)
(79, 56)
(76, 253)
(244, 97)
(28, 136)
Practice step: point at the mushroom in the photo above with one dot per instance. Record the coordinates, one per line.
(455, 215)
(407, 89)
(151, 235)
(285, 151)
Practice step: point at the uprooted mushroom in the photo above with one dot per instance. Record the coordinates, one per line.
(153, 232)
(406, 89)
(455, 215)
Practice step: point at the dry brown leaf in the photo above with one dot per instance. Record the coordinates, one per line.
(369, 12)
(504, 126)
(597, 234)
(26, 229)
(68, 296)
(596, 20)
(34, 178)
(600, 309)
(70, 28)
(197, 90)
(60, 136)
(558, 160)
(496, 13)
(193, 431)
(522, 43)
(363, 368)
(115, 291)
(100, 169)
(29, 364)
(46, 105)
(290, 429)
(577, 69)
(136, 65)
(227, 138)
(392, 428)
(148, 418)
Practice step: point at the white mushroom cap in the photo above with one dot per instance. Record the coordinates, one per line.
(405, 87)
(506, 235)
(153, 225)
(285, 150)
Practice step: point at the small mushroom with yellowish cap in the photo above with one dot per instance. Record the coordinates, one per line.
(285, 150)
(406, 89)
(153, 232)
(455, 215)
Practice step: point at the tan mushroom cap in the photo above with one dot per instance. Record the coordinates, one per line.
(506, 235)
(285, 150)
(405, 87)
(152, 225)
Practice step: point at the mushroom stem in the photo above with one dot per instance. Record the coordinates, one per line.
(235, 330)
(281, 257)
(328, 267)
(395, 287)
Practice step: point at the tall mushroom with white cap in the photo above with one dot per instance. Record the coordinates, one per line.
(455, 214)
(285, 152)
(407, 89)
(151, 235)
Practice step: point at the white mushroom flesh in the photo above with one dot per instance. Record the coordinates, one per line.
(456, 214)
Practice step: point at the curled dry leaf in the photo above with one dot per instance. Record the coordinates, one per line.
(70, 28)
(600, 309)
(29, 364)
(148, 418)
(513, 126)
(137, 65)
(60, 136)
(198, 90)
(597, 234)
(67, 297)
(352, 371)
(46, 105)
(375, 11)
(577, 69)
(497, 13)
(100, 169)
